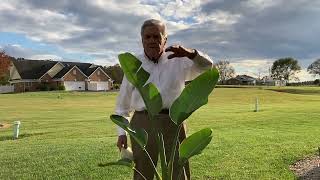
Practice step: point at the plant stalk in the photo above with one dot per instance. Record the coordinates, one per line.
(154, 131)
(154, 167)
(164, 165)
(160, 144)
(173, 151)
(180, 170)
(139, 173)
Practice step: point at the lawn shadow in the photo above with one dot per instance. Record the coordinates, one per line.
(123, 162)
(21, 136)
(106, 164)
(298, 91)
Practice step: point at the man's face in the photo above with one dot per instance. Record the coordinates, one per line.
(153, 41)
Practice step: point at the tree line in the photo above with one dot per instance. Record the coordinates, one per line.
(281, 69)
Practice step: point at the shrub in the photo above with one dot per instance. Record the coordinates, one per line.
(116, 86)
(53, 88)
(44, 87)
(61, 87)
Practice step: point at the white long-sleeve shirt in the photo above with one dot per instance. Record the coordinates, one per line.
(168, 75)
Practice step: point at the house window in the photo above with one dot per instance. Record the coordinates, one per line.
(98, 73)
(74, 72)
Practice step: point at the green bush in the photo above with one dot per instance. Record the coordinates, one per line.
(61, 87)
(44, 87)
(4, 80)
(116, 86)
(53, 88)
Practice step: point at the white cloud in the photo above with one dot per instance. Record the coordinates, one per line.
(222, 18)
(253, 63)
(102, 62)
(303, 75)
(6, 5)
(16, 50)
(180, 9)
(259, 5)
(45, 56)
(174, 27)
(255, 29)
(252, 67)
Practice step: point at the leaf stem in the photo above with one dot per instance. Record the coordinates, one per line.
(164, 165)
(139, 173)
(160, 144)
(173, 150)
(154, 167)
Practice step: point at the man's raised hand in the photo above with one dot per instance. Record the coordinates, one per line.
(180, 51)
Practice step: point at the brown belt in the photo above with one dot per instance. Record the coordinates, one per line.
(163, 111)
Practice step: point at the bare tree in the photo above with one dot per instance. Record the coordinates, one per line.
(225, 69)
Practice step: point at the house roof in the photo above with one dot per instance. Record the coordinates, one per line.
(32, 69)
(91, 69)
(245, 78)
(69, 65)
(61, 73)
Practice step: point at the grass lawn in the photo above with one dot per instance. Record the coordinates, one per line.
(67, 137)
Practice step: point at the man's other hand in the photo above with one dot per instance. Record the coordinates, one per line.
(180, 51)
(122, 142)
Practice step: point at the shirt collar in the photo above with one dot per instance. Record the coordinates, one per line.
(163, 58)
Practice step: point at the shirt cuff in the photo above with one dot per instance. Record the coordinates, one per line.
(202, 59)
(119, 129)
(121, 132)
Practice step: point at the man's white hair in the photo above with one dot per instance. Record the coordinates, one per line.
(154, 22)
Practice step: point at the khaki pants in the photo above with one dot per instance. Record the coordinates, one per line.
(168, 129)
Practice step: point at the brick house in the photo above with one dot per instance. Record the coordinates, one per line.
(34, 75)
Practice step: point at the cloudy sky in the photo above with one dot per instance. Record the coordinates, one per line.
(249, 33)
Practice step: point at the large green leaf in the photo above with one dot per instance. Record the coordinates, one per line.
(142, 77)
(132, 69)
(137, 76)
(122, 162)
(152, 98)
(194, 96)
(140, 135)
(194, 144)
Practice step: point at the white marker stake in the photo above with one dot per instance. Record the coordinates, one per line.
(16, 127)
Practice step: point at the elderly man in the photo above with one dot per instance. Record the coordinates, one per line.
(169, 68)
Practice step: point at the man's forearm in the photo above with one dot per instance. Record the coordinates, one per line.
(203, 60)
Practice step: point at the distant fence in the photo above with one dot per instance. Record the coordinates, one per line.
(6, 89)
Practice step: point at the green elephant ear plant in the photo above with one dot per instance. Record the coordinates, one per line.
(194, 95)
